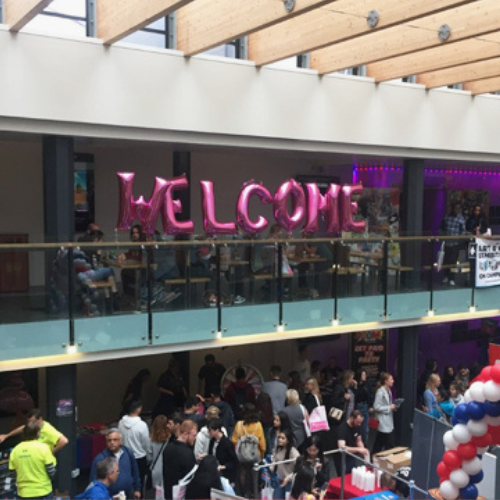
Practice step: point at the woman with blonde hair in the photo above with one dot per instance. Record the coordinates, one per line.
(430, 396)
(297, 415)
(313, 397)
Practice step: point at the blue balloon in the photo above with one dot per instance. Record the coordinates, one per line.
(475, 410)
(454, 420)
(492, 409)
(460, 413)
(469, 492)
(477, 478)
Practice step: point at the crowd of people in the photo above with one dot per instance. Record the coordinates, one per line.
(214, 440)
(438, 395)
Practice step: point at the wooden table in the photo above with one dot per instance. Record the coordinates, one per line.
(137, 266)
(310, 260)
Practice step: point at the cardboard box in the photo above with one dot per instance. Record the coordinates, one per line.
(392, 460)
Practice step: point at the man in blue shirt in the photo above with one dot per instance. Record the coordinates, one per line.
(107, 472)
(452, 225)
(129, 480)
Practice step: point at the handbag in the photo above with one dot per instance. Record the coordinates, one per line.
(318, 420)
(336, 414)
(148, 478)
(179, 490)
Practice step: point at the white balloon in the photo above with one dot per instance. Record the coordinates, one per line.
(461, 433)
(491, 391)
(467, 396)
(459, 478)
(449, 440)
(472, 467)
(493, 421)
(482, 451)
(448, 490)
(476, 392)
(477, 428)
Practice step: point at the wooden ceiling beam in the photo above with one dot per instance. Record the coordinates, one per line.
(461, 74)
(205, 24)
(483, 86)
(335, 22)
(18, 13)
(444, 56)
(466, 21)
(117, 19)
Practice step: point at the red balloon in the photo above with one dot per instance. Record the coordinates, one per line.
(486, 373)
(483, 441)
(443, 471)
(495, 373)
(467, 451)
(452, 459)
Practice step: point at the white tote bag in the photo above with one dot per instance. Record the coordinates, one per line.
(179, 490)
(318, 420)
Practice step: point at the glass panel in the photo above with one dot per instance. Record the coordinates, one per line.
(56, 25)
(453, 300)
(29, 293)
(147, 39)
(312, 264)
(68, 7)
(455, 268)
(486, 298)
(109, 333)
(300, 315)
(23, 341)
(360, 309)
(405, 266)
(184, 326)
(408, 305)
(257, 319)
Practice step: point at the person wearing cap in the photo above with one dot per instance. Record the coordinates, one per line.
(203, 438)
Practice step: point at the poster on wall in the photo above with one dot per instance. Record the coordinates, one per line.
(468, 198)
(369, 351)
(380, 208)
(487, 262)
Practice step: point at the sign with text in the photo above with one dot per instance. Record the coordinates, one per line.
(487, 262)
(369, 351)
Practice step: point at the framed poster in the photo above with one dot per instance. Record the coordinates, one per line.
(84, 191)
(369, 351)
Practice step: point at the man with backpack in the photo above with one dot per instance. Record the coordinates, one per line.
(239, 393)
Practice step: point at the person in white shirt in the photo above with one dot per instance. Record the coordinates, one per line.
(135, 435)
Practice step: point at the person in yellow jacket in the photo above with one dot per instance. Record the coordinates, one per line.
(249, 426)
(34, 465)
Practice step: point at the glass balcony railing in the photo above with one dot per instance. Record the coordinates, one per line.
(95, 297)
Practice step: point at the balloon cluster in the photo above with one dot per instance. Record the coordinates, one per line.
(336, 205)
(461, 467)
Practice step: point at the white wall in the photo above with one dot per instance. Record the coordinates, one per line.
(80, 87)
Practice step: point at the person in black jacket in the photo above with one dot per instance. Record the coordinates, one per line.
(206, 477)
(178, 457)
(223, 449)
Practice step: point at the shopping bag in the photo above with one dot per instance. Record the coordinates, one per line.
(318, 420)
(440, 257)
(179, 490)
(159, 495)
(267, 492)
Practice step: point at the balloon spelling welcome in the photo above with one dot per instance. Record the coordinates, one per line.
(461, 468)
(335, 205)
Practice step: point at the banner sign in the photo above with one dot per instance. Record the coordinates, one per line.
(487, 262)
(369, 351)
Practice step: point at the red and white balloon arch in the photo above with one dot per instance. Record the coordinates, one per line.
(473, 424)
